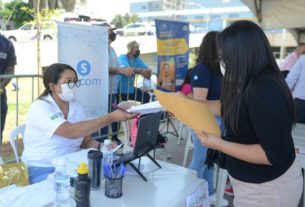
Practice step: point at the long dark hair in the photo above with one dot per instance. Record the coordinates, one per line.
(208, 53)
(52, 75)
(188, 78)
(245, 51)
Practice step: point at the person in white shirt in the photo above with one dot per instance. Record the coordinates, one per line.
(56, 124)
(296, 83)
(292, 58)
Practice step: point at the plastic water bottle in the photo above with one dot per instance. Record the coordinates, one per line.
(107, 153)
(62, 184)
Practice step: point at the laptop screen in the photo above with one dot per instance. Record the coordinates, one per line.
(148, 129)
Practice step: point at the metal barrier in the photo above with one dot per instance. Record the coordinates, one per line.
(28, 87)
(20, 92)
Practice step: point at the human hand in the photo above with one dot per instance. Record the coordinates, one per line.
(120, 115)
(209, 140)
(146, 73)
(129, 71)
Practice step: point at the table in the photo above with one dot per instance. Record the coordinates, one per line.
(168, 186)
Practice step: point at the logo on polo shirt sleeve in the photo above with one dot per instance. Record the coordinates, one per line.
(55, 116)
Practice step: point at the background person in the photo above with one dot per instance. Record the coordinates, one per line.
(296, 83)
(56, 124)
(7, 67)
(114, 69)
(206, 83)
(292, 58)
(125, 83)
(258, 112)
(186, 87)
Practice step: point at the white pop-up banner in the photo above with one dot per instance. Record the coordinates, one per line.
(85, 48)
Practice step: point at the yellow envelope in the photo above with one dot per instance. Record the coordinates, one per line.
(194, 114)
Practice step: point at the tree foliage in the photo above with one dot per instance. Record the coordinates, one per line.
(120, 21)
(19, 12)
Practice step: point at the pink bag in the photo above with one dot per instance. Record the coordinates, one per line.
(134, 130)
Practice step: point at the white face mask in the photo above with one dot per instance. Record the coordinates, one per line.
(222, 68)
(67, 94)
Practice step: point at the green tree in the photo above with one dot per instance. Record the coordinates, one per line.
(120, 21)
(117, 21)
(17, 11)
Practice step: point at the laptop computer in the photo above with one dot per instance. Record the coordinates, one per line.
(148, 129)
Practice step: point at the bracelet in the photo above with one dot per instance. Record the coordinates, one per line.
(99, 146)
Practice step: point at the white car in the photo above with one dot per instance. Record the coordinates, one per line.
(29, 32)
(137, 29)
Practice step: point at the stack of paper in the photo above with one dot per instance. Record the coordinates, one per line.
(194, 114)
(148, 108)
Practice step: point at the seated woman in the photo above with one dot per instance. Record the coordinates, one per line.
(56, 124)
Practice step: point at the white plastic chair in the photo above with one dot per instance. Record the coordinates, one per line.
(221, 180)
(127, 125)
(19, 130)
(181, 126)
(298, 136)
(188, 146)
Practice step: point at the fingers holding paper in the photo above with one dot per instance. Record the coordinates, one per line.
(209, 140)
(120, 115)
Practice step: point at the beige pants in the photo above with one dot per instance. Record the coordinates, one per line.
(284, 191)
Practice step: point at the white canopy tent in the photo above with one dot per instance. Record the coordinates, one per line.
(280, 14)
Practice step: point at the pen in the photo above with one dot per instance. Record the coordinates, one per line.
(117, 107)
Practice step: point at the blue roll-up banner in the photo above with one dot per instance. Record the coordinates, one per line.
(85, 48)
(173, 53)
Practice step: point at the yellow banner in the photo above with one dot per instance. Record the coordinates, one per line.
(172, 47)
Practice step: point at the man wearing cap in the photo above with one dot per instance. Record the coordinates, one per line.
(7, 67)
(113, 63)
(126, 84)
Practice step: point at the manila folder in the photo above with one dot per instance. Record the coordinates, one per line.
(192, 113)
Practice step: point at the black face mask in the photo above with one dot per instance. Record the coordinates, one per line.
(137, 53)
(112, 36)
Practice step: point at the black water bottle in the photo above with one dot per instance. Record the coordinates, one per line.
(82, 185)
(95, 168)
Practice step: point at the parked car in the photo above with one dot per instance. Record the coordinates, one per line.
(29, 32)
(136, 29)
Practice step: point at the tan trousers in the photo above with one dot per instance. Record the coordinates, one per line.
(284, 191)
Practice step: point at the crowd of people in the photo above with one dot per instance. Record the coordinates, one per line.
(235, 74)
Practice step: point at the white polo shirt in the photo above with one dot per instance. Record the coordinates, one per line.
(41, 145)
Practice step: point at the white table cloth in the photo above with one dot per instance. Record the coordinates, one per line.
(168, 186)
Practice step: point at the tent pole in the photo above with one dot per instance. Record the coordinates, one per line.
(282, 50)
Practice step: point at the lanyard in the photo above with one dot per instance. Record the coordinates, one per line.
(133, 62)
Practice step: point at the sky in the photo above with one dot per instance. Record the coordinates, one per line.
(109, 10)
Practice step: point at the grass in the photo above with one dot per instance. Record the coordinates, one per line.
(17, 117)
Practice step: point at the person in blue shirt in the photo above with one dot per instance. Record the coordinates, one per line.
(125, 83)
(206, 83)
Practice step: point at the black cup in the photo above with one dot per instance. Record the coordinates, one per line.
(113, 187)
(95, 168)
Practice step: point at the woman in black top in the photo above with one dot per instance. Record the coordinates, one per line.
(258, 112)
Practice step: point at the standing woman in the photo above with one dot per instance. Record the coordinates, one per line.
(206, 83)
(258, 113)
